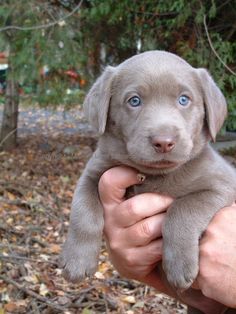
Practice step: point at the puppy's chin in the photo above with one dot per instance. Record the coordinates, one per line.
(158, 167)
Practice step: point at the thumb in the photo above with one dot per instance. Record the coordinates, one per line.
(114, 182)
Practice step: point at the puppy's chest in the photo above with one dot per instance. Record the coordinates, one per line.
(160, 184)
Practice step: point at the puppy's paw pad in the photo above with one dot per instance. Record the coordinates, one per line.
(180, 273)
(78, 264)
(76, 270)
(77, 274)
(180, 282)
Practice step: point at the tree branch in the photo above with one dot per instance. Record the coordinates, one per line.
(43, 26)
(7, 136)
(33, 294)
(24, 258)
(213, 49)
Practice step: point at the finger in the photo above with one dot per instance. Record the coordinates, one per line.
(140, 234)
(114, 182)
(195, 285)
(145, 255)
(139, 207)
(143, 232)
(137, 262)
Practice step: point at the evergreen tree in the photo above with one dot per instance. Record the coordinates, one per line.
(35, 35)
(54, 33)
(202, 32)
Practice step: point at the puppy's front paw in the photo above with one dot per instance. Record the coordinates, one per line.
(180, 266)
(79, 261)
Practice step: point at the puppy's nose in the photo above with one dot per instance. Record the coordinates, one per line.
(163, 144)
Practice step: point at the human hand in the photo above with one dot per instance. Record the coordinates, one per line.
(133, 226)
(133, 233)
(217, 274)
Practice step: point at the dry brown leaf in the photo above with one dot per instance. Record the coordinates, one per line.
(55, 248)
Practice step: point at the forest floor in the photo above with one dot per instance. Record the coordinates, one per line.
(37, 180)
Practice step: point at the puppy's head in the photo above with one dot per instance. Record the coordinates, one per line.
(161, 109)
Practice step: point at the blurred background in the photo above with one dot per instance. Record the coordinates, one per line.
(51, 51)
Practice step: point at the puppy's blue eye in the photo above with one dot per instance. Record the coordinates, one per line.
(135, 101)
(184, 100)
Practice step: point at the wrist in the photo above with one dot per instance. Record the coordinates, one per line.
(156, 280)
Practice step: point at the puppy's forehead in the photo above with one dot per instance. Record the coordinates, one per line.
(158, 59)
(154, 70)
(154, 73)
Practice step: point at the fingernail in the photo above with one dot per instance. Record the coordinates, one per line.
(141, 177)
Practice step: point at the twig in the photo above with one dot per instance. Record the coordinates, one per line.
(38, 241)
(233, 30)
(155, 14)
(43, 26)
(213, 49)
(22, 232)
(12, 185)
(9, 187)
(32, 294)
(42, 299)
(24, 258)
(35, 308)
(6, 228)
(12, 248)
(8, 135)
(17, 202)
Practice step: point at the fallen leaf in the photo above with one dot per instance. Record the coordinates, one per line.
(11, 196)
(10, 307)
(55, 248)
(86, 311)
(139, 304)
(99, 275)
(43, 290)
(129, 299)
(63, 300)
(32, 279)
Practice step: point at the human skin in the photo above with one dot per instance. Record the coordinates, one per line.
(217, 275)
(133, 234)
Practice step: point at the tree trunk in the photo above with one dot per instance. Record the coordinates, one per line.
(10, 114)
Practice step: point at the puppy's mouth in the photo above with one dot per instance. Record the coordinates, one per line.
(162, 164)
(157, 164)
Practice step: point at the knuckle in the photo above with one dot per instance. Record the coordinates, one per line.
(206, 250)
(145, 230)
(131, 206)
(130, 260)
(202, 271)
(206, 285)
(225, 214)
(209, 256)
(155, 251)
(211, 232)
(166, 201)
(106, 179)
(126, 272)
(205, 290)
(114, 245)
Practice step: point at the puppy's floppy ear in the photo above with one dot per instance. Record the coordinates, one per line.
(96, 103)
(214, 101)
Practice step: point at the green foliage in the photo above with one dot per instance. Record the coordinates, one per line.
(123, 28)
(31, 50)
(67, 97)
(108, 31)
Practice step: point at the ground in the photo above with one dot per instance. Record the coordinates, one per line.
(36, 187)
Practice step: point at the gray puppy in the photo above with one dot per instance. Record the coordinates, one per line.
(157, 114)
